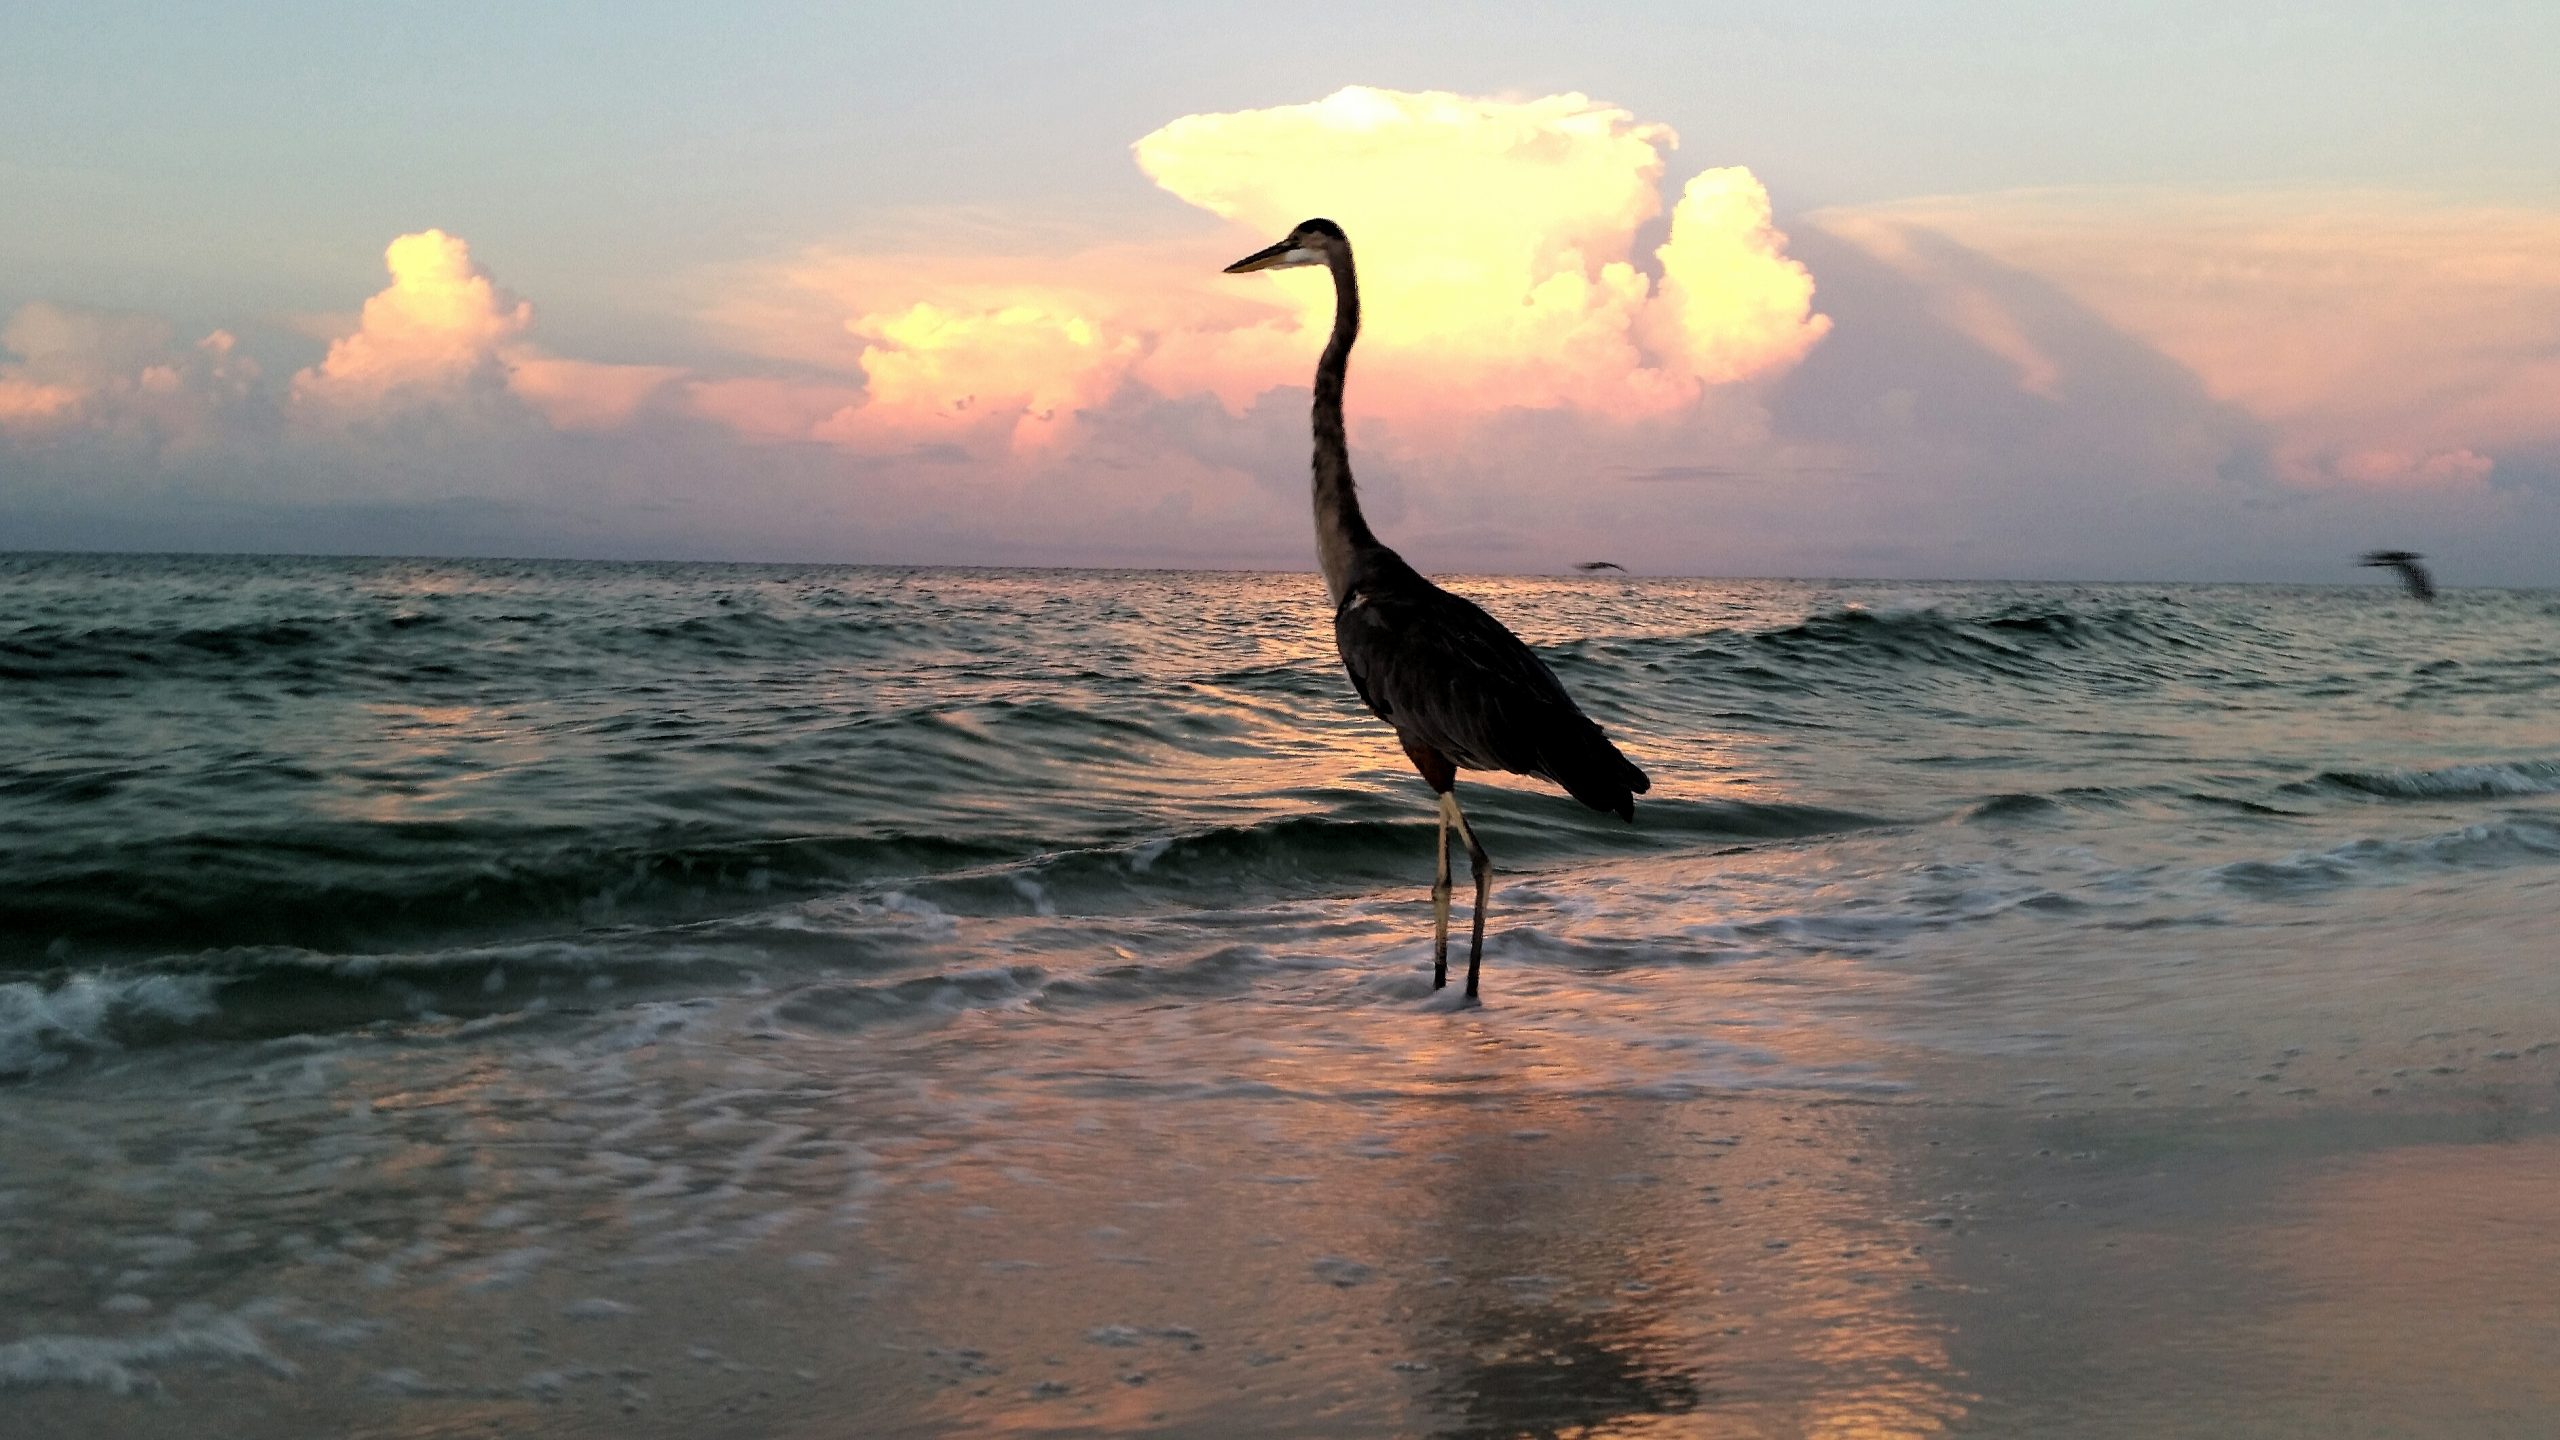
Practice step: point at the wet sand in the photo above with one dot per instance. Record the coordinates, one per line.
(1383, 1220)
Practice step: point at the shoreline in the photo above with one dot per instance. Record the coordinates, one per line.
(1487, 1264)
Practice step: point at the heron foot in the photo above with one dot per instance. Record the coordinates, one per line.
(1449, 999)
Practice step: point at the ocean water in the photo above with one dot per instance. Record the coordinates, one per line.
(434, 986)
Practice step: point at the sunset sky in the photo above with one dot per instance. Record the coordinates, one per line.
(1974, 290)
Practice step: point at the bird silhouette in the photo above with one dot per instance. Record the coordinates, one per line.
(1461, 691)
(1598, 565)
(2412, 574)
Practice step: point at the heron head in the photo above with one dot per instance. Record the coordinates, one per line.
(1312, 243)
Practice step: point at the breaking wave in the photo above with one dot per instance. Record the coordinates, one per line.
(2494, 781)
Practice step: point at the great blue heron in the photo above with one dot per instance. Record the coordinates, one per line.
(1598, 565)
(2412, 574)
(1460, 690)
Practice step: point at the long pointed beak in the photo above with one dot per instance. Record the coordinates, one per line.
(1260, 259)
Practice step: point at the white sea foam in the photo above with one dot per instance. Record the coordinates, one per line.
(596, 1308)
(122, 1364)
(507, 1270)
(42, 1026)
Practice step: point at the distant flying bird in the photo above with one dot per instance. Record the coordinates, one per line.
(1460, 690)
(2412, 574)
(1598, 565)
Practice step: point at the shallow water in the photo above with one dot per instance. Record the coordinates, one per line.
(766, 1000)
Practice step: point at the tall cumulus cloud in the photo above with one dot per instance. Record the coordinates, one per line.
(442, 330)
(1499, 270)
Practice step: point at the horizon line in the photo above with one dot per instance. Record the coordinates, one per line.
(1624, 576)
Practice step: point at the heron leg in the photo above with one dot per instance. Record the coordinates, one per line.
(1482, 865)
(1438, 773)
(1440, 902)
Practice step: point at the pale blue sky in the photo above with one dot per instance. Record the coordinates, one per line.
(209, 157)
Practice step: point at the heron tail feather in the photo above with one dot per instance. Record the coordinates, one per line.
(1599, 775)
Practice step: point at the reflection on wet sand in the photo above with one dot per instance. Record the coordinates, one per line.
(1529, 1328)
(1345, 1222)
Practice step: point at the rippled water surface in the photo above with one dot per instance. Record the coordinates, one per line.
(416, 976)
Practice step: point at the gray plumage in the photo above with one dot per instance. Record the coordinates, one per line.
(2412, 574)
(1461, 691)
(1446, 674)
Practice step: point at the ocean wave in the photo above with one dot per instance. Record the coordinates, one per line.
(72, 652)
(123, 1364)
(396, 635)
(2017, 806)
(1352, 849)
(43, 1026)
(2014, 643)
(2006, 632)
(2491, 781)
(2025, 805)
(2491, 845)
(350, 888)
(847, 1005)
(248, 994)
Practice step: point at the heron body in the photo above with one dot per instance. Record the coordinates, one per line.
(1461, 691)
(1598, 565)
(2412, 574)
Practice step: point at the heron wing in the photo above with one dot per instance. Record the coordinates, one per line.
(1443, 672)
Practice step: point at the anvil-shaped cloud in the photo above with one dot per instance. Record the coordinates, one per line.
(2390, 341)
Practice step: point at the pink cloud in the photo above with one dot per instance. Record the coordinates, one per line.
(81, 371)
(583, 395)
(2458, 469)
(433, 331)
(1496, 240)
(443, 331)
(33, 406)
(759, 408)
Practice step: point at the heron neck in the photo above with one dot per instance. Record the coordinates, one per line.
(1341, 533)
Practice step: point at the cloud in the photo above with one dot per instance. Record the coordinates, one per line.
(1497, 242)
(2391, 341)
(34, 406)
(2091, 383)
(583, 395)
(443, 332)
(1732, 304)
(80, 372)
(764, 408)
(432, 333)
(937, 373)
